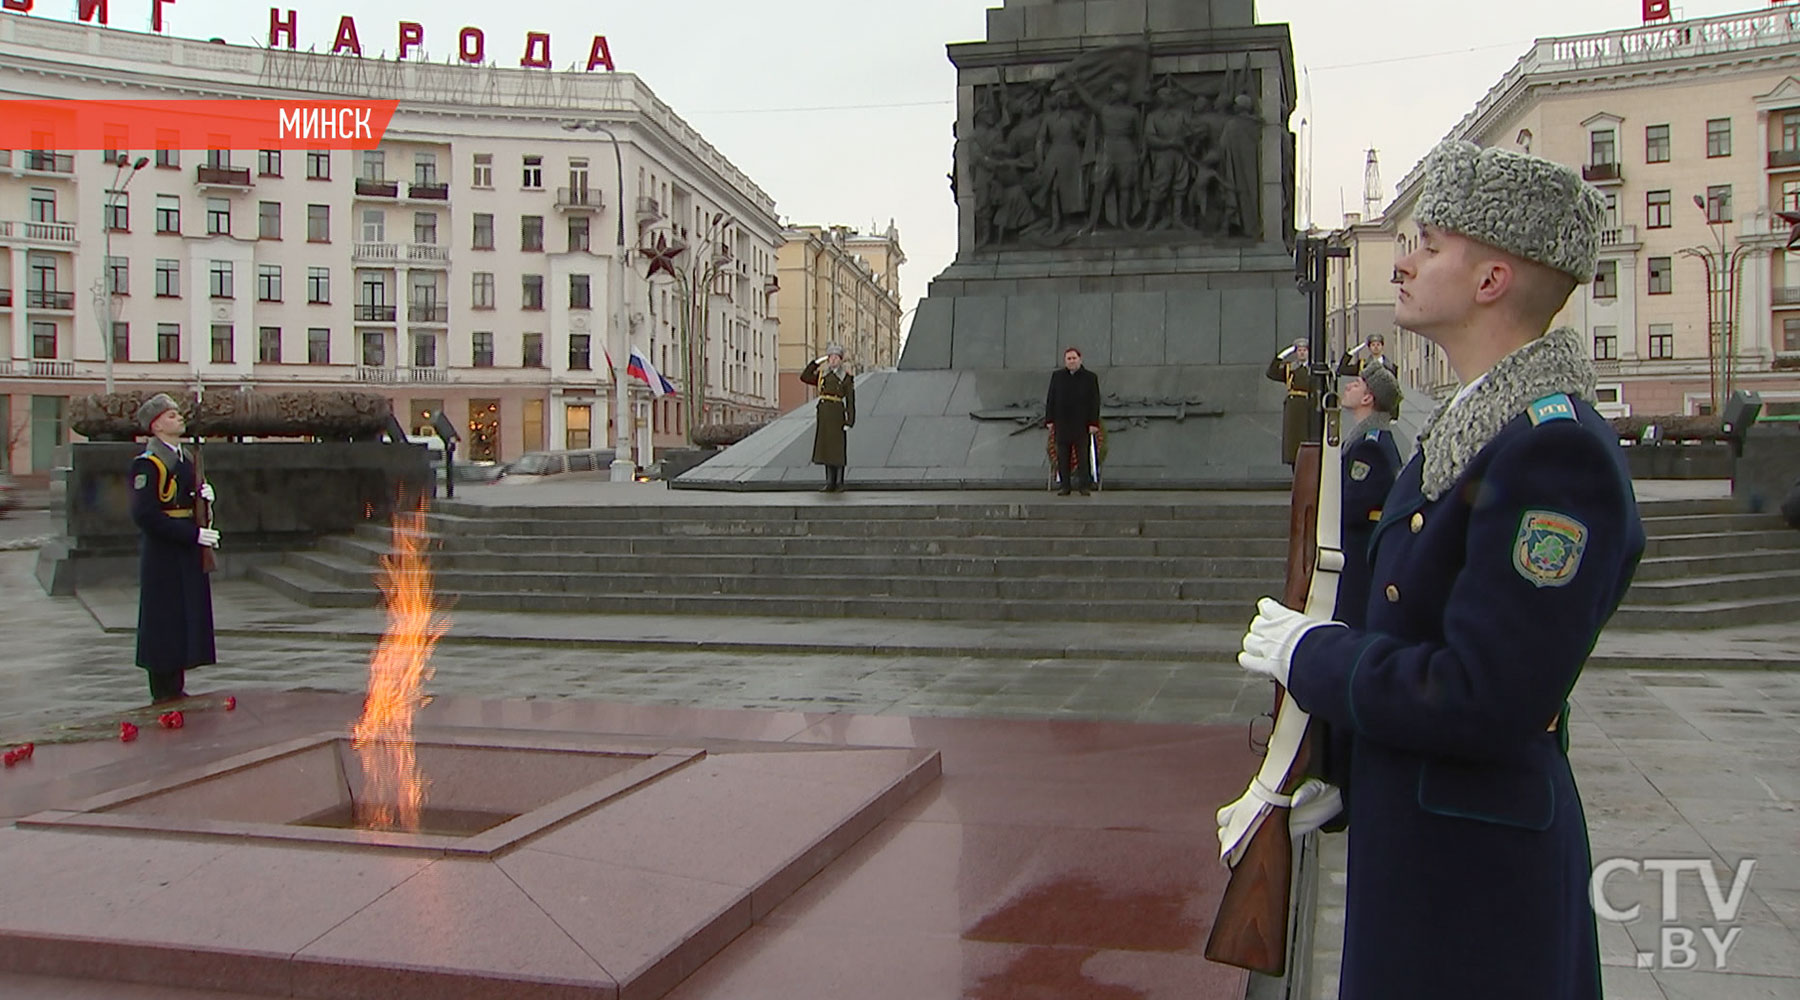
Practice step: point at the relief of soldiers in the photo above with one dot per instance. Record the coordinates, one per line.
(1167, 133)
(1115, 150)
(1239, 162)
(1061, 188)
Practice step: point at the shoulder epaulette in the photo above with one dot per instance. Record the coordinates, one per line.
(1553, 407)
(1374, 435)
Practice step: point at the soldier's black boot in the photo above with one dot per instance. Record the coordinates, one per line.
(830, 479)
(838, 479)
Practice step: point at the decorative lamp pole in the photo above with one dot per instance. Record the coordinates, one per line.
(624, 468)
(106, 300)
(1721, 264)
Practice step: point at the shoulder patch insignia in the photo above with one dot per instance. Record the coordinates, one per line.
(1548, 548)
(1372, 436)
(1556, 407)
(1359, 471)
(140, 482)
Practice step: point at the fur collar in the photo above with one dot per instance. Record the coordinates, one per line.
(1556, 362)
(1377, 420)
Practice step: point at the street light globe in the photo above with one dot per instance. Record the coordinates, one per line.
(140, 163)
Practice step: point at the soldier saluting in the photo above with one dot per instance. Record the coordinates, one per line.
(835, 412)
(175, 618)
(1502, 550)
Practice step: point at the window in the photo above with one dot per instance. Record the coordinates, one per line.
(1606, 343)
(220, 158)
(268, 282)
(218, 217)
(580, 421)
(268, 163)
(484, 231)
(578, 292)
(483, 348)
(318, 164)
(425, 228)
(318, 223)
(533, 173)
(1662, 275)
(1656, 210)
(1606, 279)
(168, 279)
(168, 213)
(578, 352)
(531, 291)
(1718, 137)
(1656, 144)
(318, 345)
(1718, 203)
(483, 170)
(1662, 341)
(168, 158)
(121, 341)
(168, 341)
(219, 281)
(268, 345)
(318, 285)
(531, 232)
(533, 354)
(482, 290)
(1603, 148)
(374, 349)
(1790, 131)
(374, 165)
(118, 275)
(425, 168)
(221, 343)
(374, 226)
(115, 146)
(43, 339)
(1790, 336)
(268, 220)
(118, 214)
(424, 350)
(578, 233)
(43, 205)
(1790, 196)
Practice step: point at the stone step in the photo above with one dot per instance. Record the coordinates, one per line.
(346, 572)
(298, 584)
(1048, 509)
(368, 550)
(877, 528)
(1662, 525)
(1690, 567)
(1721, 587)
(1660, 508)
(1707, 614)
(1721, 543)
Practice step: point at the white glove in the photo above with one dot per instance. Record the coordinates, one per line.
(209, 538)
(1312, 805)
(206, 492)
(1274, 634)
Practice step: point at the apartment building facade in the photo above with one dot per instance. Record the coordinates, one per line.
(837, 286)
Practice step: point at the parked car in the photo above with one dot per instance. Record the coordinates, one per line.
(534, 464)
(9, 494)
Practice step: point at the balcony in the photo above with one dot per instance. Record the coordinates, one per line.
(429, 192)
(44, 369)
(401, 376)
(231, 177)
(36, 298)
(1780, 158)
(380, 253)
(423, 375)
(428, 312)
(648, 210)
(1618, 236)
(380, 376)
(427, 253)
(368, 187)
(369, 312)
(579, 199)
(49, 163)
(59, 235)
(1601, 172)
(1789, 296)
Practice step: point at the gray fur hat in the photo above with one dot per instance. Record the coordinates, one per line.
(1526, 205)
(1384, 388)
(154, 407)
(837, 349)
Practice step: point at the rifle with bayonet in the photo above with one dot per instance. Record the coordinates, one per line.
(1250, 930)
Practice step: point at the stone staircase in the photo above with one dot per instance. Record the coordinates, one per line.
(1033, 560)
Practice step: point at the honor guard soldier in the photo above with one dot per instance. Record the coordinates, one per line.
(1371, 463)
(175, 615)
(1290, 369)
(1501, 552)
(836, 413)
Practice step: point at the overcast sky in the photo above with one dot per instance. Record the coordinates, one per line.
(841, 109)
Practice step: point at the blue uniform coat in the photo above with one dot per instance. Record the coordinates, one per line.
(175, 619)
(1371, 464)
(1468, 853)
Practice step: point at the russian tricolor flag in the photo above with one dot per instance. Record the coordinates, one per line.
(639, 367)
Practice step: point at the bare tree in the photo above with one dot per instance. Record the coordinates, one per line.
(16, 430)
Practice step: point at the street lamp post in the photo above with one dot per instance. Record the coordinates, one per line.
(1721, 264)
(693, 287)
(105, 298)
(624, 467)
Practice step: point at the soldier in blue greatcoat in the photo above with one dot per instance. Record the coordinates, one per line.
(1502, 550)
(175, 618)
(1371, 463)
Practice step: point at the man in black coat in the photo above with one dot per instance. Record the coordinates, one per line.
(1072, 412)
(175, 619)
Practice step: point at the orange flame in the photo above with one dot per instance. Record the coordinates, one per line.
(393, 790)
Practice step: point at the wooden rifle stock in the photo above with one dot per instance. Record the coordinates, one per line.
(202, 512)
(1250, 930)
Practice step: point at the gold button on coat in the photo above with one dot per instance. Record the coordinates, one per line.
(1393, 594)
(1418, 523)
